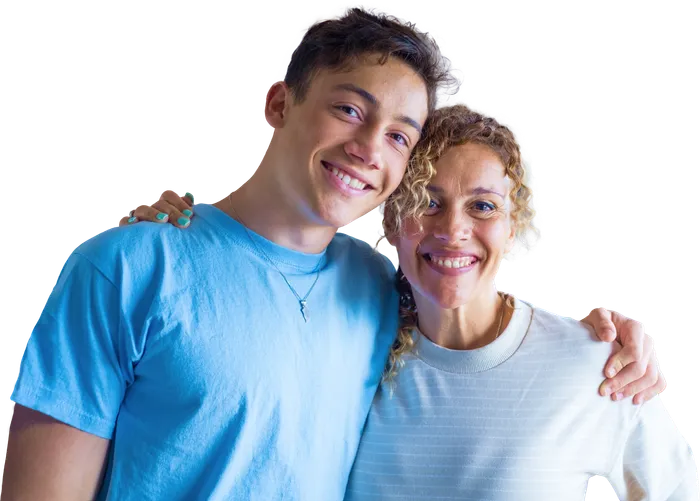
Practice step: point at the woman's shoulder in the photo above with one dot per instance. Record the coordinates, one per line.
(567, 339)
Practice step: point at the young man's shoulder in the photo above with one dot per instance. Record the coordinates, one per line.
(146, 248)
(357, 250)
(138, 242)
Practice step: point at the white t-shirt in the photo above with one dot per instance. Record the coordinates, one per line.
(520, 419)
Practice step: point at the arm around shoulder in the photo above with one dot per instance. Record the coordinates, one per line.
(47, 459)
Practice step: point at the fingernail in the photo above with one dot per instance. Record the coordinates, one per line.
(187, 212)
(183, 221)
(606, 391)
(132, 219)
(618, 396)
(161, 216)
(190, 196)
(611, 372)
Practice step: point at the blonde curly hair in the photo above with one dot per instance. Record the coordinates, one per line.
(445, 128)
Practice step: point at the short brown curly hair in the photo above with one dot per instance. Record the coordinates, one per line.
(445, 128)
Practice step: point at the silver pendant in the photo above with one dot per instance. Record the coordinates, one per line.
(304, 310)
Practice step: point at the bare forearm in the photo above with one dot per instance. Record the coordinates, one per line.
(47, 459)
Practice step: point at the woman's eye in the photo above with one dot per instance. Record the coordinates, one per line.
(484, 206)
(433, 207)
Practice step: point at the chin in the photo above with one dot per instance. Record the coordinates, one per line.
(339, 214)
(335, 219)
(444, 299)
(449, 296)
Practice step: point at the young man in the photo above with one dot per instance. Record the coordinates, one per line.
(238, 359)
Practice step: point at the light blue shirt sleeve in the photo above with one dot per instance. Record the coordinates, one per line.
(77, 363)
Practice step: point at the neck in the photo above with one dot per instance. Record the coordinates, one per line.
(467, 327)
(263, 206)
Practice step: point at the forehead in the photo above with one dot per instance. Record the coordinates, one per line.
(468, 166)
(395, 85)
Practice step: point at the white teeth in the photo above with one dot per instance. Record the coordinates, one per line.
(350, 181)
(459, 262)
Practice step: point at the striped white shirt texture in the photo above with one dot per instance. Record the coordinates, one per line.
(519, 419)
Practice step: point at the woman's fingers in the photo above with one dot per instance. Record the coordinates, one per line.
(171, 208)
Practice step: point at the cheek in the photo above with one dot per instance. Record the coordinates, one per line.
(495, 234)
(410, 232)
(411, 267)
(407, 248)
(326, 130)
(396, 168)
(301, 142)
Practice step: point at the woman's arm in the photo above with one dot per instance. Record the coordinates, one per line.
(654, 462)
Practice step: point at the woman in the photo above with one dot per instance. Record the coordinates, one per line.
(469, 408)
(473, 404)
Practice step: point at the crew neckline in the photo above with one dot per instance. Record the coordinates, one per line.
(480, 359)
(280, 255)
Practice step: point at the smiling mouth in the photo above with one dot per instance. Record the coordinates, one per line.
(450, 262)
(346, 178)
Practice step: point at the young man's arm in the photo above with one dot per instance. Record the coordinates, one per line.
(76, 368)
(47, 459)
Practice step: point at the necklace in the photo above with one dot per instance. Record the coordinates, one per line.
(302, 300)
(500, 321)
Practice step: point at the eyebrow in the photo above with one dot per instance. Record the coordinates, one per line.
(374, 102)
(479, 190)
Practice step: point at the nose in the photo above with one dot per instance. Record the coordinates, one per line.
(453, 227)
(366, 146)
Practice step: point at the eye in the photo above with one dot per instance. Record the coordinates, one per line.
(484, 206)
(399, 138)
(433, 207)
(349, 110)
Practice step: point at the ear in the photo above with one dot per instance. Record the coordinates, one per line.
(510, 243)
(277, 103)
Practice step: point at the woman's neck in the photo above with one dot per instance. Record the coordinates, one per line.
(467, 327)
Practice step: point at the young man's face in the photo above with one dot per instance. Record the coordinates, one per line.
(347, 143)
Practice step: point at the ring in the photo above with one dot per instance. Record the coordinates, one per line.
(131, 217)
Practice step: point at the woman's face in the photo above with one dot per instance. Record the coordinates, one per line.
(466, 231)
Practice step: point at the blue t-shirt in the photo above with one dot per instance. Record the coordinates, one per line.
(188, 350)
